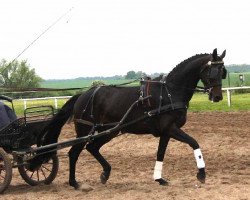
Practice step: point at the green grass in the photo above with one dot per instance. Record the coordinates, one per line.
(73, 83)
(239, 102)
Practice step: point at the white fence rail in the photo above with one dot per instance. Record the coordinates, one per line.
(229, 90)
(229, 101)
(45, 98)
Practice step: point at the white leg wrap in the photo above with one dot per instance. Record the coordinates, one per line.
(158, 170)
(199, 158)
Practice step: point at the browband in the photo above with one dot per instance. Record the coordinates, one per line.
(215, 62)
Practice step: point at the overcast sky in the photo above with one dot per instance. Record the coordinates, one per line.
(109, 37)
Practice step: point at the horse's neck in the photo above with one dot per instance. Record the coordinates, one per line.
(183, 83)
(182, 92)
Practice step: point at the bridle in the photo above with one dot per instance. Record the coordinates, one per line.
(213, 73)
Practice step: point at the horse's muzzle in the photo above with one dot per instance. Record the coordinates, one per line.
(215, 95)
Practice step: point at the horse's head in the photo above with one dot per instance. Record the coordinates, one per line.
(212, 74)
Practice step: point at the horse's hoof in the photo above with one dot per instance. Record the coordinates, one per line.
(201, 175)
(75, 185)
(162, 182)
(104, 177)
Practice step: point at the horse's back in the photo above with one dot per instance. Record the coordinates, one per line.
(106, 100)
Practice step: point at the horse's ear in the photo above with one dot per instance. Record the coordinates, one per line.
(223, 54)
(215, 54)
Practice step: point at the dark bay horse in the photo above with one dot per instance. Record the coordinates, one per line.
(163, 104)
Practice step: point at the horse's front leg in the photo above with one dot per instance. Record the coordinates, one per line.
(181, 136)
(164, 139)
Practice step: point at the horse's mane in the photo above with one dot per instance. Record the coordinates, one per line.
(184, 63)
(178, 67)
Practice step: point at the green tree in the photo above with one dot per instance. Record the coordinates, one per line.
(18, 74)
(97, 83)
(140, 74)
(131, 75)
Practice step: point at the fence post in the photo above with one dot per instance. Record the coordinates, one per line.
(24, 104)
(228, 98)
(55, 103)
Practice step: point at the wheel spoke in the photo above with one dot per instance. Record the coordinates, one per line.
(32, 175)
(43, 173)
(46, 168)
(37, 175)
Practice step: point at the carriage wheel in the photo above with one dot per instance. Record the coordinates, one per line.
(45, 174)
(5, 171)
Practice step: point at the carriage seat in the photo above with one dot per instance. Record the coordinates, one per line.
(7, 115)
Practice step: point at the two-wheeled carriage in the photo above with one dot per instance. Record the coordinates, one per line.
(18, 144)
(17, 139)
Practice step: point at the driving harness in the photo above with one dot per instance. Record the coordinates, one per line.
(144, 99)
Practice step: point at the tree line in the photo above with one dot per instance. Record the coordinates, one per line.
(20, 74)
(238, 68)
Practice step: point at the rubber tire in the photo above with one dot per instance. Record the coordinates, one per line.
(22, 170)
(8, 171)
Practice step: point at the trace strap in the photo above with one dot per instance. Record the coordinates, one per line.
(168, 107)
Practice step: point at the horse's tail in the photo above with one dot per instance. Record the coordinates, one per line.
(51, 132)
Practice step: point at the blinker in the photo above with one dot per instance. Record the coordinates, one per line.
(224, 73)
(214, 72)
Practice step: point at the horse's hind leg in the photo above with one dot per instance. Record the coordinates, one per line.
(73, 157)
(181, 136)
(94, 149)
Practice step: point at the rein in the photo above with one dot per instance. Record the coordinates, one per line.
(197, 89)
(36, 89)
(17, 89)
